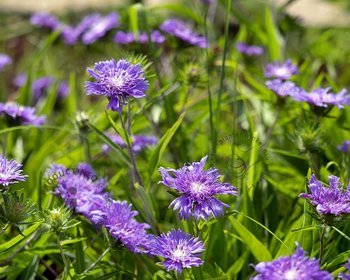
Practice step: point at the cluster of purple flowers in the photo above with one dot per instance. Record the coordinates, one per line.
(249, 50)
(125, 38)
(10, 172)
(183, 31)
(139, 142)
(320, 97)
(297, 266)
(197, 188)
(17, 114)
(117, 81)
(328, 201)
(4, 60)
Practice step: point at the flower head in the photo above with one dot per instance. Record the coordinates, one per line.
(321, 97)
(4, 60)
(295, 267)
(125, 38)
(21, 114)
(10, 172)
(180, 29)
(197, 188)
(100, 27)
(43, 19)
(283, 88)
(344, 276)
(117, 81)
(281, 70)
(179, 249)
(19, 80)
(328, 201)
(249, 49)
(119, 220)
(40, 87)
(345, 147)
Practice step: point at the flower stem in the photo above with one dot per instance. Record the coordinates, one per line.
(97, 261)
(4, 144)
(323, 228)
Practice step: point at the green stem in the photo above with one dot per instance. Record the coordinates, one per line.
(97, 261)
(322, 242)
(65, 262)
(4, 144)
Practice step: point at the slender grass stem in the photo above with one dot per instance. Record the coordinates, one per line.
(65, 262)
(97, 261)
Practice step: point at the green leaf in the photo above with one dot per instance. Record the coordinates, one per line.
(258, 250)
(71, 241)
(19, 238)
(79, 255)
(163, 143)
(275, 40)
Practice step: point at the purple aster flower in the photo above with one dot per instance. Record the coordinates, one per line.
(179, 249)
(344, 276)
(124, 38)
(81, 190)
(180, 29)
(345, 147)
(328, 201)
(197, 188)
(10, 172)
(297, 266)
(283, 88)
(281, 70)
(140, 142)
(250, 50)
(40, 87)
(63, 90)
(117, 81)
(119, 220)
(100, 27)
(42, 19)
(321, 97)
(156, 37)
(55, 168)
(20, 80)
(21, 114)
(4, 60)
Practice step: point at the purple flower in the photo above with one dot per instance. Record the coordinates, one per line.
(140, 142)
(81, 190)
(297, 266)
(156, 37)
(21, 114)
(179, 249)
(283, 88)
(117, 81)
(249, 49)
(345, 147)
(10, 172)
(180, 29)
(281, 70)
(40, 87)
(63, 90)
(100, 27)
(321, 97)
(344, 276)
(124, 38)
(42, 19)
(119, 220)
(197, 188)
(20, 80)
(4, 60)
(328, 201)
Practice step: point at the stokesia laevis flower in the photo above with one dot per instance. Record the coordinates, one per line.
(197, 188)
(43, 19)
(282, 70)
(10, 172)
(18, 114)
(250, 50)
(179, 249)
(4, 60)
(328, 201)
(125, 38)
(321, 97)
(118, 81)
(283, 88)
(345, 147)
(295, 267)
(344, 276)
(119, 220)
(180, 29)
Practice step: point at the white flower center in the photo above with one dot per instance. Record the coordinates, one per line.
(291, 275)
(116, 81)
(282, 71)
(179, 254)
(197, 187)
